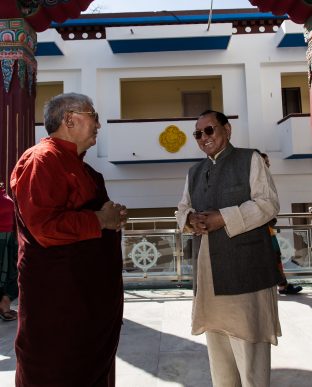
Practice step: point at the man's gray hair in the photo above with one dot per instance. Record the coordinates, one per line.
(54, 109)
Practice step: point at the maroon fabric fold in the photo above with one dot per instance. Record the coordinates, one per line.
(6, 212)
(70, 307)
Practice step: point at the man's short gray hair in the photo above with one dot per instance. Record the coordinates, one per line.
(55, 108)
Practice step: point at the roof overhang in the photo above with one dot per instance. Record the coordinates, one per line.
(169, 38)
(49, 43)
(290, 35)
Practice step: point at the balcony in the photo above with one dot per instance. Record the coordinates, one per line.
(156, 140)
(296, 136)
(290, 35)
(50, 43)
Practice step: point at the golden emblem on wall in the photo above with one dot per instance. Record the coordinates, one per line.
(172, 138)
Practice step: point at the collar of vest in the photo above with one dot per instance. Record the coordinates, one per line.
(229, 148)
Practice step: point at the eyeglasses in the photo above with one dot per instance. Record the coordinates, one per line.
(209, 130)
(95, 115)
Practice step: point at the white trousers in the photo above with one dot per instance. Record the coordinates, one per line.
(238, 363)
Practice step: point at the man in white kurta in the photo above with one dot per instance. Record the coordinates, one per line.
(239, 328)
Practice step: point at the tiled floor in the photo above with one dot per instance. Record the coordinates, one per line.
(157, 350)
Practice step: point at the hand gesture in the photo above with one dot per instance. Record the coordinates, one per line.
(213, 220)
(204, 222)
(197, 221)
(112, 216)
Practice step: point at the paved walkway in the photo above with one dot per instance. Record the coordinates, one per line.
(157, 350)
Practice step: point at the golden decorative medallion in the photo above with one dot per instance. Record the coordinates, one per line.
(172, 139)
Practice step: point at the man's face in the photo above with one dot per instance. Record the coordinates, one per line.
(85, 128)
(213, 143)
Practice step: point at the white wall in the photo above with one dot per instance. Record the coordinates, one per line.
(251, 70)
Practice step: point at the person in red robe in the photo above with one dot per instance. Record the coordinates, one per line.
(8, 256)
(70, 260)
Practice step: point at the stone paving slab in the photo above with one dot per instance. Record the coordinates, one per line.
(157, 349)
(182, 358)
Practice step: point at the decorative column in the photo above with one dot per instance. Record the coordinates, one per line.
(18, 69)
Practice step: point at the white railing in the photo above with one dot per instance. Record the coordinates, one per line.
(155, 250)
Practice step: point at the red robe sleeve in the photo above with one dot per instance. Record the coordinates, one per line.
(49, 198)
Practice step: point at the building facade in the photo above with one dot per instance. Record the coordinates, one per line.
(151, 74)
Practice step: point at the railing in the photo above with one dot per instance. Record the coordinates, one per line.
(155, 250)
(294, 234)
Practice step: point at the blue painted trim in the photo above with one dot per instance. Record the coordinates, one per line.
(170, 44)
(157, 161)
(293, 40)
(167, 19)
(299, 156)
(47, 49)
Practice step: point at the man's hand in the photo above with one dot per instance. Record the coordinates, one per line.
(112, 216)
(123, 213)
(197, 221)
(204, 222)
(213, 220)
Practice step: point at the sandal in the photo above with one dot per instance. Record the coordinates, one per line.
(9, 315)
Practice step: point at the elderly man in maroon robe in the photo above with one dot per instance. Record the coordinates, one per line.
(70, 261)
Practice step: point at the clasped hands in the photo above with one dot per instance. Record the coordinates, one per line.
(112, 216)
(204, 222)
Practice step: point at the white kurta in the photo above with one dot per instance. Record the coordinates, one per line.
(252, 316)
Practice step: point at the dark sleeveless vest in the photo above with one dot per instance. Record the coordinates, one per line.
(244, 263)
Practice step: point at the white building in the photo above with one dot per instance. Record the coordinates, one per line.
(149, 71)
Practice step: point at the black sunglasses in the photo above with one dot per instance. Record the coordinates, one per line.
(209, 130)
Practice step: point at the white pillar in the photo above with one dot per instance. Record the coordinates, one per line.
(254, 105)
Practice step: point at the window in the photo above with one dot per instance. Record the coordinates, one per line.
(291, 97)
(45, 91)
(194, 103)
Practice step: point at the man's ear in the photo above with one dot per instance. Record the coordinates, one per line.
(228, 129)
(68, 119)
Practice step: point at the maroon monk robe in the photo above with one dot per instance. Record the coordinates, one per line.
(71, 293)
(6, 212)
